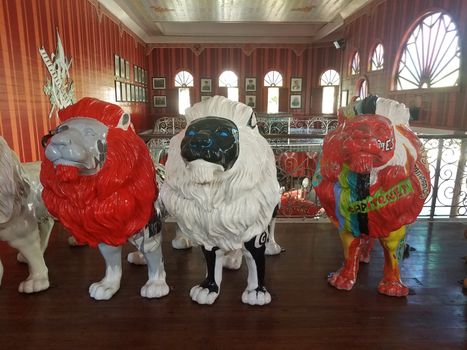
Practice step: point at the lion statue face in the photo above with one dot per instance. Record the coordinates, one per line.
(367, 142)
(79, 142)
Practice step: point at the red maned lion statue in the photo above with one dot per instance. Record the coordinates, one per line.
(372, 181)
(99, 182)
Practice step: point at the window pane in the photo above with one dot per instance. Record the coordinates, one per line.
(183, 79)
(273, 78)
(355, 68)
(232, 93)
(273, 100)
(328, 100)
(183, 100)
(377, 59)
(431, 57)
(330, 77)
(228, 79)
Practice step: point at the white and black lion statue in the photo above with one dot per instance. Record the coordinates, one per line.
(221, 187)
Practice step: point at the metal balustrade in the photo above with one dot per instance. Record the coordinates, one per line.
(297, 145)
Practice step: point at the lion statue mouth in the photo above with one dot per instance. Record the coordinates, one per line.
(203, 172)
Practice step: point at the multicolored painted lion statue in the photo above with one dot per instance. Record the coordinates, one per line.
(99, 182)
(24, 222)
(372, 181)
(222, 189)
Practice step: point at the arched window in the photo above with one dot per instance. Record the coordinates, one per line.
(377, 58)
(362, 86)
(229, 80)
(355, 65)
(183, 80)
(329, 80)
(431, 56)
(273, 80)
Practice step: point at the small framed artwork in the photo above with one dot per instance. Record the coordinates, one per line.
(296, 84)
(117, 65)
(250, 100)
(206, 85)
(123, 89)
(158, 83)
(138, 94)
(118, 93)
(127, 70)
(344, 98)
(128, 92)
(133, 96)
(145, 98)
(160, 101)
(140, 74)
(205, 98)
(250, 84)
(143, 76)
(135, 74)
(122, 67)
(295, 101)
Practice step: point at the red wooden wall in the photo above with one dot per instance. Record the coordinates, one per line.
(90, 38)
(307, 64)
(388, 22)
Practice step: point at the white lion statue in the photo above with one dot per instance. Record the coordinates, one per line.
(24, 221)
(222, 189)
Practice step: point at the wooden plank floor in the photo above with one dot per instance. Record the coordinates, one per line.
(305, 312)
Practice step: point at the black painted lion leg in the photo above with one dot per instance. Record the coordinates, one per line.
(253, 251)
(208, 291)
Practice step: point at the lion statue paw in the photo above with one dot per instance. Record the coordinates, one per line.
(155, 289)
(203, 295)
(258, 296)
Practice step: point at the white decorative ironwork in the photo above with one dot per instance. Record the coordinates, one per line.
(228, 79)
(330, 77)
(184, 79)
(355, 67)
(59, 88)
(273, 79)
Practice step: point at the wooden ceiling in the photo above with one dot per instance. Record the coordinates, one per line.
(233, 21)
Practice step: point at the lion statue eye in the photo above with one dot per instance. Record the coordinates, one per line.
(191, 132)
(223, 133)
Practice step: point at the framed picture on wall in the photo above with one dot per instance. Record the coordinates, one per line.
(128, 92)
(127, 70)
(122, 67)
(118, 93)
(158, 83)
(250, 84)
(123, 89)
(296, 84)
(250, 100)
(160, 101)
(132, 93)
(295, 101)
(117, 65)
(145, 96)
(206, 85)
(344, 98)
(135, 74)
(143, 76)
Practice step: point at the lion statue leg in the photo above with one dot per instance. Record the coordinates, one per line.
(345, 277)
(272, 248)
(255, 292)
(208, 291)
(366, 246)
(233, 259)
(110, 284)
(393, 246)
(45, 226)
(181, 241)
(28, 245)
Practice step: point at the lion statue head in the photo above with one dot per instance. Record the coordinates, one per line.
(221, 180)
(98, 175)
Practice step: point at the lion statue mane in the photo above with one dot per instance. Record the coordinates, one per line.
(221, 206)
(99, 181)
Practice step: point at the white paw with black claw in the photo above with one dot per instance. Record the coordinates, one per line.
(203, 295)
(272, 248)
(155, 289)
(258, 296)
(103, 290)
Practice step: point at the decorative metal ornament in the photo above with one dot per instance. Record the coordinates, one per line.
(59, 87)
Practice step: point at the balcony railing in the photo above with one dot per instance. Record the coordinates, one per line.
(297, 145)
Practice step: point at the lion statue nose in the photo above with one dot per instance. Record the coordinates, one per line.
(201, 141)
